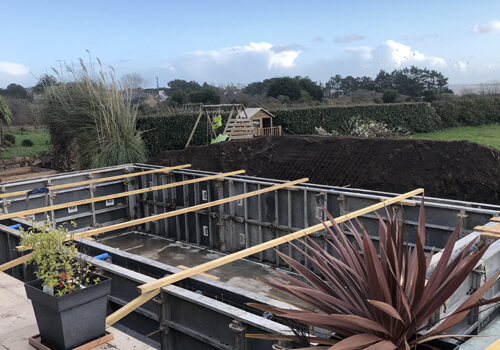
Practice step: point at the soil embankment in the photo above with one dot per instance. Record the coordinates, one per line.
(456, 170)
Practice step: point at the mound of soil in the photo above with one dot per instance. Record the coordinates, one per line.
(456, 170)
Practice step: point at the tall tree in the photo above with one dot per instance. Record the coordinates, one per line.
(383, 81)
(15, 91)
(349, 85)
(43, 82)
(207, 95)
(256, 88)
(408, 81)
(334, 86)
(133, 81)
(182, 85)
(366, 83)
(284, 86)
(312, 88)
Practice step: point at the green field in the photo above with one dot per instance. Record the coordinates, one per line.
(39, 137)
(486, 135)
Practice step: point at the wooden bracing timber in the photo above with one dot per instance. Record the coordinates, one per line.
(406, 203)
(104, 179)
(215, 278)
(141, 221)
(15, 262)
(492, 232)
(150, 290)
(116, 195)
(493, 229)
(100, 230)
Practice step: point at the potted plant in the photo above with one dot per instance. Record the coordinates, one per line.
(373, 299)
(69, 300)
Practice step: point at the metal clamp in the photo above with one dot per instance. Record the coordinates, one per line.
(237, 327)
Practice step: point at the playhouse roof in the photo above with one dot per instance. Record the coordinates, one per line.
(251, 112)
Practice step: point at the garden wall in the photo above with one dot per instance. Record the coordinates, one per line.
(18, 162)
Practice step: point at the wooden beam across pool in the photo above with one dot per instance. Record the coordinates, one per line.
(116, 195)
(150, 290)
(104, 179)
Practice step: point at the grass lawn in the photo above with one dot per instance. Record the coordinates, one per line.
(486, 134)
(39, 137)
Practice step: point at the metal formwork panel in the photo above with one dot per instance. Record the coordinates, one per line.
(231, 227)
(194, 311)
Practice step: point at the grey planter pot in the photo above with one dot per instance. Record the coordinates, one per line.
(73, 319)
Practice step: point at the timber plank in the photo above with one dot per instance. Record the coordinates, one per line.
(150, 290)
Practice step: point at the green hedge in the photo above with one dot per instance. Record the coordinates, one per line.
(468, 111)
(162, 132)
(413, 117)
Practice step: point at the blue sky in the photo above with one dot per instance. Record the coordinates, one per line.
(242, 42)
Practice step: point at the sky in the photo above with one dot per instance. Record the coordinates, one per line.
(239, 42)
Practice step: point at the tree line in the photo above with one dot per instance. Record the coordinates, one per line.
(406, 84)
(414, 82)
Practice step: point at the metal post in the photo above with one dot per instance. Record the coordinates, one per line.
(239, 331)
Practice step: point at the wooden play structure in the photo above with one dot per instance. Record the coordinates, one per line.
(243, 123)
(232, 129)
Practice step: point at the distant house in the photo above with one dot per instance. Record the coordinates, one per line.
(138, 96)
(162, 96)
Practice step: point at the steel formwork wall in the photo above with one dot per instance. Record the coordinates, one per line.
(244, 223)
(229, 227)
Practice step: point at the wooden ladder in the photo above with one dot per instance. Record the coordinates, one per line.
(239, 127)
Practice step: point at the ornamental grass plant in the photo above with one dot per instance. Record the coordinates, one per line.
(377, 300)
(89, 110)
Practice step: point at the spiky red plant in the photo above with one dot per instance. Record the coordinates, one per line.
(377, 300)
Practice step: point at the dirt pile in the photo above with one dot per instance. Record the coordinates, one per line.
(455, 170)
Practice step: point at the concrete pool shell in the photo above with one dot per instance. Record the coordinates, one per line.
(199, 312)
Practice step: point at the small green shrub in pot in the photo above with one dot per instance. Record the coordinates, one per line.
(66, 289)
(56, 257)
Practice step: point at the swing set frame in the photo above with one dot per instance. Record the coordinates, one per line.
(207, 109)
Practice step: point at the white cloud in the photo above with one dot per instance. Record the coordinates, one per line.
(168, 67)
(275, 55)
(365, 52)
(247, 63)
(391, 53)
(14, 69)
(461, 65)
(489, 67)
(491, 27)
(283, 56)
(348, 38)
